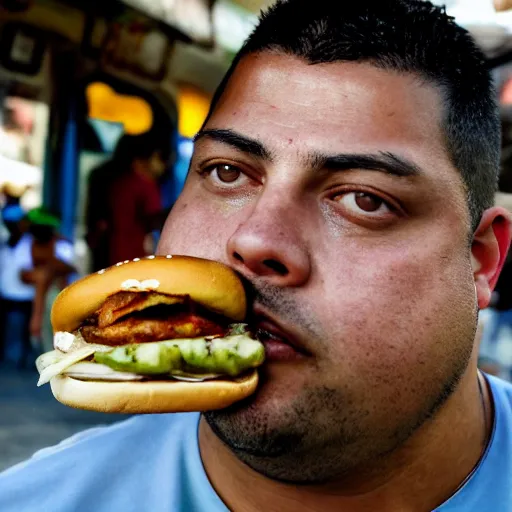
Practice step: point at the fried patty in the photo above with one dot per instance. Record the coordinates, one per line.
(141, 317)
(122, 304)
(139, 330)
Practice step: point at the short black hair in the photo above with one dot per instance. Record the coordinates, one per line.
(411, 36)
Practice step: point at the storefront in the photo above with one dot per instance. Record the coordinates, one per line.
(76, 75)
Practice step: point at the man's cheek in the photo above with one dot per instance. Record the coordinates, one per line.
(377, 306)
(193, 231)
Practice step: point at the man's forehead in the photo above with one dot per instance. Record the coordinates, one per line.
(344, 106)
(279, 75)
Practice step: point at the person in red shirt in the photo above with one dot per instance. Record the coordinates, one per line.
(134, 206)
(97, 214)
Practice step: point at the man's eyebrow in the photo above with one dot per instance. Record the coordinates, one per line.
(236, 140)
(383, 161)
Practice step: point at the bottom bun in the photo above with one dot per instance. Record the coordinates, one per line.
(151, 397)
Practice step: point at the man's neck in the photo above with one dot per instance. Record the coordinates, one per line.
(419, 476)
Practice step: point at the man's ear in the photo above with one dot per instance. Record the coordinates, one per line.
(489, 249)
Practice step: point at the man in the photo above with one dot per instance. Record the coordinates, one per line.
(124, 204)
(33, 258)
(347, 171)
(12, 228)
(52, 264)
(98, 208)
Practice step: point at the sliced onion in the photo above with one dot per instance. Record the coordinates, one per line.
(187, 379)
(96, 371)
(192, 377)
(64, 362)
(48, 359)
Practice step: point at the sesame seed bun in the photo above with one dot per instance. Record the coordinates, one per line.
(209, 283)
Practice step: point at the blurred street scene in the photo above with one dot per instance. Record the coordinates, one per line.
(99, 104)
(94, 96)
(32, 419)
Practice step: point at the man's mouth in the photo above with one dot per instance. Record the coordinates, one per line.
(280, 345)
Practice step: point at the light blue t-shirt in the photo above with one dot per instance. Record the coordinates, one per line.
(152, 463)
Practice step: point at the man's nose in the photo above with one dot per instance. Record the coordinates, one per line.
(269, 244)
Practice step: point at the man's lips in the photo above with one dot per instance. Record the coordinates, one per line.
(279, 343)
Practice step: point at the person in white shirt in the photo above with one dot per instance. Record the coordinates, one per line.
(30, 261)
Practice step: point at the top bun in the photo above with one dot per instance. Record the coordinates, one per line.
(209, 283)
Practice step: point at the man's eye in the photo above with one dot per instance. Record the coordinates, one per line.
(225, 173)
(364, 203)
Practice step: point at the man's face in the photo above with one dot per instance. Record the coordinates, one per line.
(330, 189)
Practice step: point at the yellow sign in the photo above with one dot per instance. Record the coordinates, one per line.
(193, 106)
(134, 113)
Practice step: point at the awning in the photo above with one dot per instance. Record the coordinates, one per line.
(190, 17)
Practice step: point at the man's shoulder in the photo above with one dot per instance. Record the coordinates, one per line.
(85, 461)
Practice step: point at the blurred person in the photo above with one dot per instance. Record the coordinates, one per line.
(124, 204)
(135, 203)
(347, 171)
(14, 226)
(13, 140)
(52, 261)
(98, 223)
(12, 217)
(34, 257)
(12, 193)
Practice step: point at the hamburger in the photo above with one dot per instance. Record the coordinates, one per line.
(153, 335)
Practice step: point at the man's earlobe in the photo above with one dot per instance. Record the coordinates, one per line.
(489, 249)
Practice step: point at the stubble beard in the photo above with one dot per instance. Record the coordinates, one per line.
(322, 435)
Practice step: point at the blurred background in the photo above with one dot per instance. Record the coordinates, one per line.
(96, 94)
